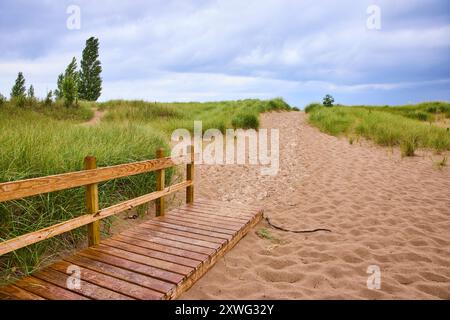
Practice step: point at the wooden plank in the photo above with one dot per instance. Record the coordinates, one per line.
(124, 274)
(222, 212)
(172, 236)
(86, 289)
(93, 228)
(157, 273)
(200, 225)
(30, 187)
(189, 229)
(164, 265)
(211, 219)
(187, 283)
(167, 242)
(202, 213)
(160, 182)
(181, 239)
(46, 233)
(232, 205)
(47, 290)
(12, 292)
(246, 212)
(111, 283)
(237, 212)
(151, 253)
(187, 234)
(166, 249)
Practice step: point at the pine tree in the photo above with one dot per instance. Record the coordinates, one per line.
(49, 98)
(2, 99)
(68, 84)
(71, 70)
(31, 92)
(19, 89)
(59, 91)
(70, 91)
(90, 85)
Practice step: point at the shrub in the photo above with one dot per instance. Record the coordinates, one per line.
(245, 121)
(295, 109)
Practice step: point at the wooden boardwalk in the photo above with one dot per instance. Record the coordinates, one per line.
(158, 259)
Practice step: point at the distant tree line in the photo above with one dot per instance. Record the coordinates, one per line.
(72, 85)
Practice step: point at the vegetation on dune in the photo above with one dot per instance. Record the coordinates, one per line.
(45, 138)
(34, 145)
(384, 125)
(426, 111)
(167, 117)
(49, 108)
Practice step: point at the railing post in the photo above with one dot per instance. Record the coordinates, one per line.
(190, 176)
(92, 204)
(160, 185)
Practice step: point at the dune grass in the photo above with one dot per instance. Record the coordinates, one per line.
(166, 117)
(34, 144)
(39, 140)
(386, 128)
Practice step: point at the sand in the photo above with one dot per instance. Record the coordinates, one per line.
(383, 210)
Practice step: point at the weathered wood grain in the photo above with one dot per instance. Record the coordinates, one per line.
(31, 187)
(46, 233)
(158, 259)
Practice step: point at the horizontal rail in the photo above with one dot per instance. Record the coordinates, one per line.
(37, 236)
(31, 187)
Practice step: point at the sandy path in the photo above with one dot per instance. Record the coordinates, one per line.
(98, 115)
(382, 211)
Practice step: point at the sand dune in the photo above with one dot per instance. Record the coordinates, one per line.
(382, 210)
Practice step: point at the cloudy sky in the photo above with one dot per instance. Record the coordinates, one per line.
(201, 50)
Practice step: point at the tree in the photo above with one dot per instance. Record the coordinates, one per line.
(59, 91)
(68, 84)
(2, 99)
(49, 98)
(31, 92)
(70, 91)
(90, 84)
(19, 89)
(328, 101)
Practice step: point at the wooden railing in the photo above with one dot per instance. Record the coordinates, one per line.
(90, 177)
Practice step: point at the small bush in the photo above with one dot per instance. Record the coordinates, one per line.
(310, 107)
(295, 109)
(245, 121)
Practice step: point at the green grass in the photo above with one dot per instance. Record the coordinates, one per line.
(38, 140)
(57, 111)
(384, 126)
(166, 117)
(426, 111)
(33, 145)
